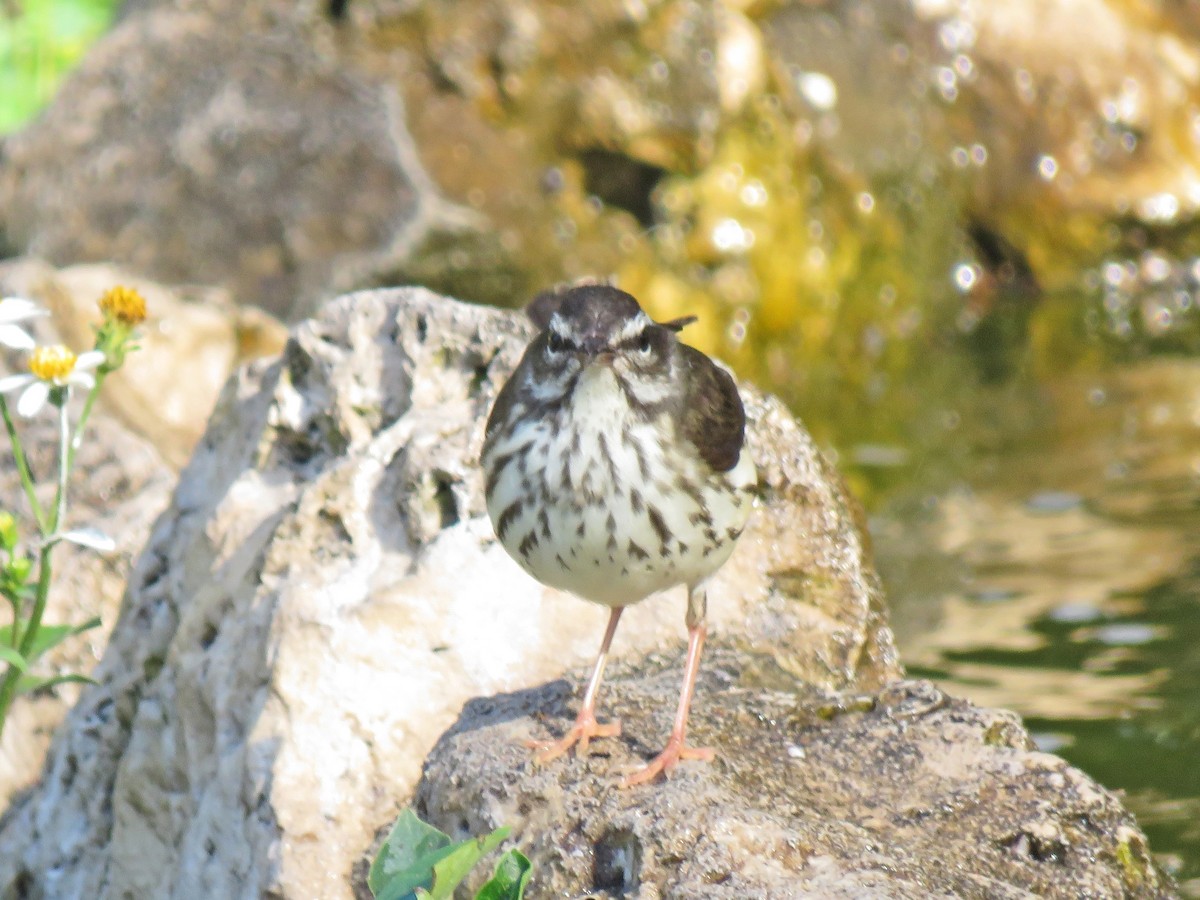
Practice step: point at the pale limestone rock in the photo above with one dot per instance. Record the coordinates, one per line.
(325, 592)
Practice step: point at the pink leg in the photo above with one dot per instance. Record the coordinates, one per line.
(676, 748)
(586, 727)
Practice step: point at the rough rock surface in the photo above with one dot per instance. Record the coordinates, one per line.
(324, 593)
(200, 147)
(904, 794)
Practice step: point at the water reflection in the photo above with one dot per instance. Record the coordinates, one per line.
(1057, 573)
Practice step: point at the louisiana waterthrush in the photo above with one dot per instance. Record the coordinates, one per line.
(615, 467)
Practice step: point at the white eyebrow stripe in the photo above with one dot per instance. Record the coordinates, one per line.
(632, 328)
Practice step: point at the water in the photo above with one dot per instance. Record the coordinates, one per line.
(1050, 564)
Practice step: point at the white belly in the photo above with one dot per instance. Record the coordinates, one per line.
(591, 506)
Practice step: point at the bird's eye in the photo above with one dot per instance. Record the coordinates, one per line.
(645, 344)
(556, 344)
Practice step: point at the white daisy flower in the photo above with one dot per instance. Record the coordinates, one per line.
(49, 368)
(12, 311)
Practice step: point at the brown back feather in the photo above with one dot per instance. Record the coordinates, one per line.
(714, 420)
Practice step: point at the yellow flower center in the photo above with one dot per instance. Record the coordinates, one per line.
(123, 304)
(51, 363)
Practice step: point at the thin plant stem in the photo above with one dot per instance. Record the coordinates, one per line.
(8, 690)
(39, 602)
(88, 403)
(22, 466)
(64, 463)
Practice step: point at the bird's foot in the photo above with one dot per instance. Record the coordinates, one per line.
(675, 750)
(585, 728)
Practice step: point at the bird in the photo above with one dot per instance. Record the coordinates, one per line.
(615, 466)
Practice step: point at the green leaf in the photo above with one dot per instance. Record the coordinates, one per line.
(13, 658)
(510, 879)
(417, 860)
(449, 872)
(413, 881)
(410, 841)
(31, 683)
(50, 636)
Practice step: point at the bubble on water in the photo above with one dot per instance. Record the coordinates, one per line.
(1162, 207)
(1114, 273)
(1075, 612)
(753, 193)
(956, 34)
(1126, 634)
(818, 89)
(730, 236)
(1047, 167)
(1157, 318)
(1155, 268)
(946, 80)
(966, 276)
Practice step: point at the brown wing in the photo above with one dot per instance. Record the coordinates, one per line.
(511, 391)
(714, 420)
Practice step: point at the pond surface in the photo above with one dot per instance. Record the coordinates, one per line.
(1050, 563)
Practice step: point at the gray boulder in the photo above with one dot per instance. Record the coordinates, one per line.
(903, 793)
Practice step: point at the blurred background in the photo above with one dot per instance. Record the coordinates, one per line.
(957, 236)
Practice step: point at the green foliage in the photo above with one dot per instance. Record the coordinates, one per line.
(40, 41)
(418, 861)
